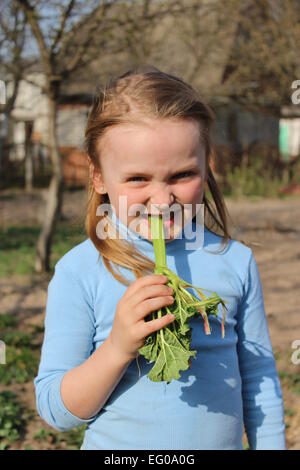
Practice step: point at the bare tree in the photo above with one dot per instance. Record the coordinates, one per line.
(68, 35)
(264, 59)
(12, 63)
(246, 52)
(204, 39)
(141, 26)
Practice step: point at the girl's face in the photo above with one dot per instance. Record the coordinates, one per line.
(156, 164)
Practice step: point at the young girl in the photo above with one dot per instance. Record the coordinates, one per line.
(148, 140)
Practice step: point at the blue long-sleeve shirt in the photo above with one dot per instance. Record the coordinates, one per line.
(232, 381)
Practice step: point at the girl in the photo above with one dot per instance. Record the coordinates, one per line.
(148, 140)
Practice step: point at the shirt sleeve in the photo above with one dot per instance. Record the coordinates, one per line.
(68, 342)
(261, 389)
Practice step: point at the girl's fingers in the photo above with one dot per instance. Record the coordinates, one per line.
(150, 292)
(149, 327)
(152, 305)
(144, 281)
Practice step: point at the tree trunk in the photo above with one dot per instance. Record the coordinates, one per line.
(28, 157)
(55, 191)
(3, 144)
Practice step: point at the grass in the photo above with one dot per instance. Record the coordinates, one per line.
(7, 321)
(247, 183)
(72, 439)
(254, 182)
(291, 380)
(23, 348)
(277, 354)
(22, 360)
(12, 421)
(17, 339)
(17, 247)
(22, 352)
(21, 366)
(289, 412)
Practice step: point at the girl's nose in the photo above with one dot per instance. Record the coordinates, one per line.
(162, 200)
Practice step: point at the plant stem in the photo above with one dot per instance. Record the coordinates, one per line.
(158, 240)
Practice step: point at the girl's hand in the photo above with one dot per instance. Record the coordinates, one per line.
(143, 296)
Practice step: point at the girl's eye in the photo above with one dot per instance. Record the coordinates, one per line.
(188, 173)
(184, 174)
(133, 178)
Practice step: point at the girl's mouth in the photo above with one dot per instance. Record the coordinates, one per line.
(167, 222)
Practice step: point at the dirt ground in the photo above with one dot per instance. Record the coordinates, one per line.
(270, 226)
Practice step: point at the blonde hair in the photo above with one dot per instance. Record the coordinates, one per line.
(146, 92)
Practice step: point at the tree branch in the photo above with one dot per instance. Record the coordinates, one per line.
(60, 31)
(32, 18)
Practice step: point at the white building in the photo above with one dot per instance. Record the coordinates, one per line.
(289, 139)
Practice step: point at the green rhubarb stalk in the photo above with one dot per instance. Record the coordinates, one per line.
(157, 235)
(158, 240)
(169, 348)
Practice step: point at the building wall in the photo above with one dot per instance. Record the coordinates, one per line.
(290, 137)
(71, 122)
(31, 104)
(240, 127)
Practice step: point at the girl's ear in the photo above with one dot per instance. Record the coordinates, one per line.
(96, 178)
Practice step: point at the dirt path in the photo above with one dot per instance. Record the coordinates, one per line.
(272, 227)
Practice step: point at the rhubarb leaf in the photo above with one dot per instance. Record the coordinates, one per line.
(173, 357)
(169, 347)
